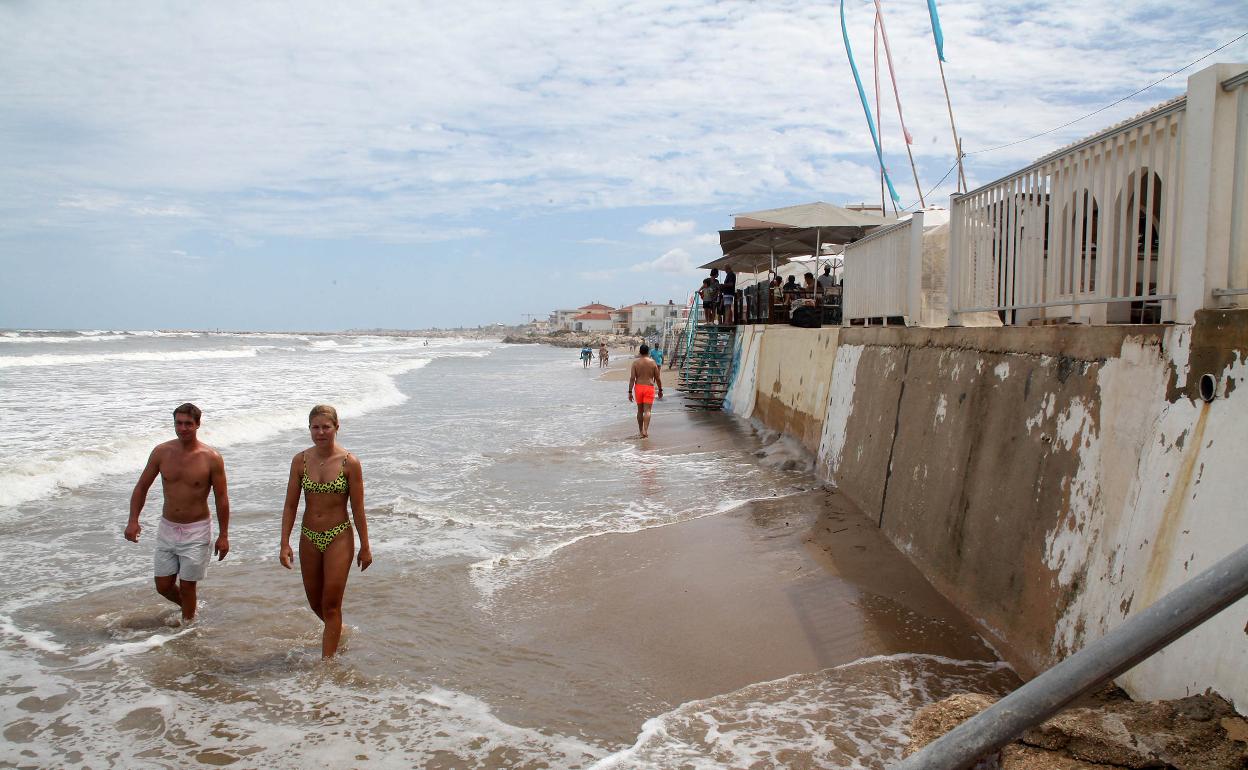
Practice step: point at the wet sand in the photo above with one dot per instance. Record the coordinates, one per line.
(554, 661)
(798, 583)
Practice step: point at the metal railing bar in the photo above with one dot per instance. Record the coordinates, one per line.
(1136, 639)
(1229, 292)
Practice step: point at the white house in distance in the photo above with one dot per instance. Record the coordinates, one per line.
(568, 319)
(562, 319)
(642, 317)
(594, 321)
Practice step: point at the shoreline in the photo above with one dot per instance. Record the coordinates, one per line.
(768, 588)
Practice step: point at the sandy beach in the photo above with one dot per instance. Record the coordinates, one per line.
(798, 583)
(548, 592)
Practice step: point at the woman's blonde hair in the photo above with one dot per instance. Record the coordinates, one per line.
(325, 410)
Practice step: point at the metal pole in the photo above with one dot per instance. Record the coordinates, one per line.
(1140, 636)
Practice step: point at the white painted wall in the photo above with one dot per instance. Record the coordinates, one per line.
(591, 325)
(1159, 496)
(742, 391)
(1160, 493)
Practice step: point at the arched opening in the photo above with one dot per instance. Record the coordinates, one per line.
(1077, 241)
(1135, 247)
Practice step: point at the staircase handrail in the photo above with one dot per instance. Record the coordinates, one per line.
(691, 327)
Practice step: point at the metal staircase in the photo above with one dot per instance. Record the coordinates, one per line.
(706, 366)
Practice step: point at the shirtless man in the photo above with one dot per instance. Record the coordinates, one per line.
(187, 470)
(603, 355)
(643, 378)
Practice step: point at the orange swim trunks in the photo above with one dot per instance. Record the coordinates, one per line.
(644, 394)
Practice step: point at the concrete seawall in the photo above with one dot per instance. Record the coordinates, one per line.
(1050, 481)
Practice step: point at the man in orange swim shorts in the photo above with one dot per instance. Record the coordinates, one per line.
(642, 380)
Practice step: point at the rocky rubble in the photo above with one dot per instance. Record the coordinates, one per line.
(574, 340)
(1201, 732)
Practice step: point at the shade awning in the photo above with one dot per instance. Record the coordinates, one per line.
(750, 250)
(817, 214)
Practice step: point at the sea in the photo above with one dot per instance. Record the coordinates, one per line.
(482, 461)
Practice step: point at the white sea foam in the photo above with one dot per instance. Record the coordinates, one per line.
(56, 359)
(324, 717)
(851, 716)
(236, 418)
(491, 574)
(59, 340)
(35, 640)
(111, 652)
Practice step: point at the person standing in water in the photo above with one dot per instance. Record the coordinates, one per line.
(643, 378)
(187, 470)
(329, 477)
(603, 355)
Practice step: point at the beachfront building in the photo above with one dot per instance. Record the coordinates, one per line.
(562, 319)
(598, 321)
(649, 318)
(1142, 223)
(621, 319)
(566, 319)
(1145, 222)
(1101, 454)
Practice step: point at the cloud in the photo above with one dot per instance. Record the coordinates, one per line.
(599, 275)
(674, 261)
(667, 227)
(386, 124)
(705, 239)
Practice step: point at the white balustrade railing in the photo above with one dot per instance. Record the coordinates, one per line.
(1095, 224)
(1236, 284)
(883, 273)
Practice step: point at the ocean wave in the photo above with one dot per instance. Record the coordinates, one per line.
(853, 716)
(58, 339)
(111, 652)
(490, 574)
(42, 477)
(57, 359)
(121, 720)
(35, 640)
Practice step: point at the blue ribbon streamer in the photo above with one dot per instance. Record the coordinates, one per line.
(936, 33)
(866, 109)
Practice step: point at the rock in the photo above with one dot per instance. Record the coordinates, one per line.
(1201, 732)
(935, 720)
(565, 339)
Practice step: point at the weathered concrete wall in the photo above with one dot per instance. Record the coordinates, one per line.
(742, 390)
(1049, 480)
(793, 377)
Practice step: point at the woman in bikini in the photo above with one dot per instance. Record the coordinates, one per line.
(329, 476)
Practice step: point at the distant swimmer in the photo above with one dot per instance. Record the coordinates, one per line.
(643, 379)
(188, 469)
(603, 355)
(329, 477)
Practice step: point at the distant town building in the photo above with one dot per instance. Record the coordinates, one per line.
(599, 321)
(562, 319)
(638, 318)
(646, 317)
(566, 319)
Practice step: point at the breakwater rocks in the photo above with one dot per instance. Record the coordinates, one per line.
(572, 340)
(1201, 732)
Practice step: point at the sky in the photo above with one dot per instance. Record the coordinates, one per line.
(325, 166)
